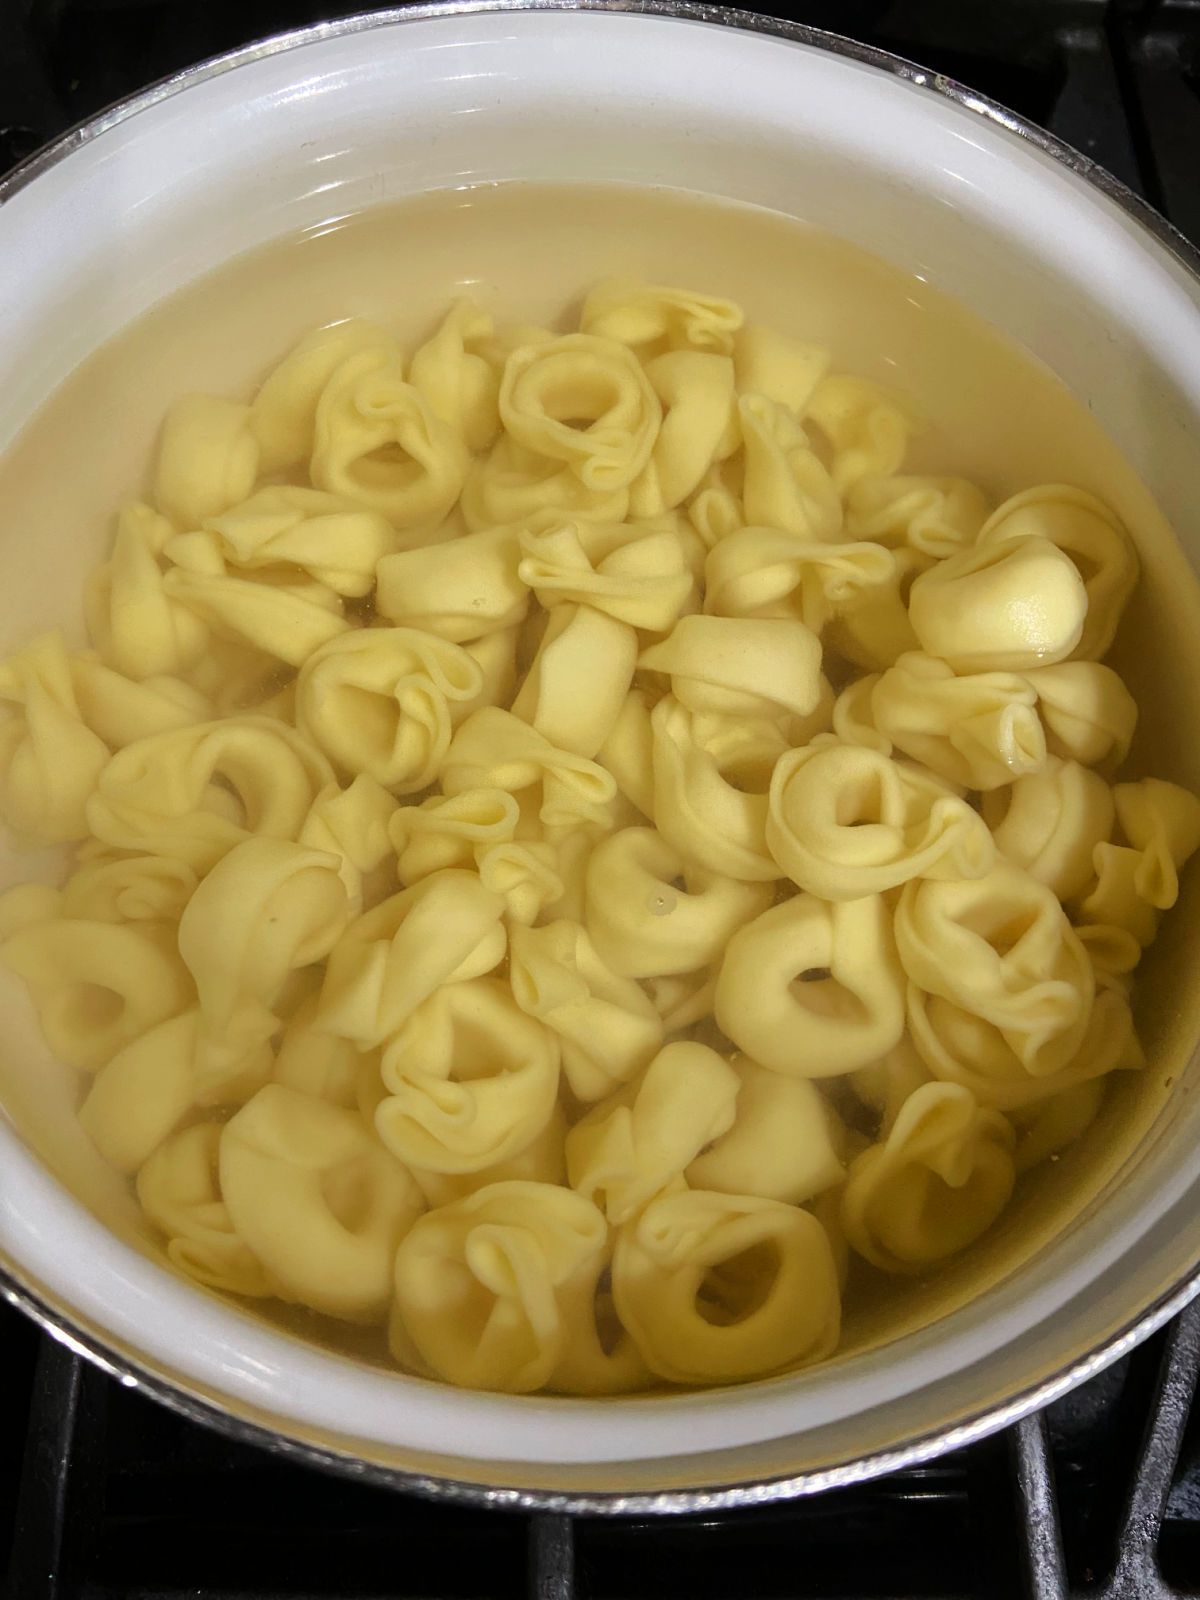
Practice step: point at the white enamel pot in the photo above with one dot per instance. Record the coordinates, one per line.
(324, 122)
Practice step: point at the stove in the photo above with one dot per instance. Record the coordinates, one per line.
(105, 1495)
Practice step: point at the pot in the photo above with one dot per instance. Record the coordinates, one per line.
(327, 121)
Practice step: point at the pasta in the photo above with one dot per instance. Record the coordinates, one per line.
(578, 857)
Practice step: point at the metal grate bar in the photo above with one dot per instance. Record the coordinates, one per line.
(41, 1555)
(551, 1558)
(1137, 1576)
(1161, 44)
(1046, 1572)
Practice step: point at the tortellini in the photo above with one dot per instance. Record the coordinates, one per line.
(607, 1025)
(1004, 606)
(635, 573)
(378, 701)
(585, 401)
(812, 987)
(195, 793)
(652, 912)
(50, 760)
(716, 1287)
(319, 1202)
(980, 731)
(940, 1178)
(784, 1142)
(511, 781)
(156, 1081)
(1001, 949)
(207, 458)
(459, 590)
(627, 1150)
(1087, 532)
(97, 986)
(470, 1082)
(135, 624)
(179, 1190)
(740, 666)
(444, 929)
(377, 441)
(485, 1288)
(335, 541)
(1052, 823)
(576, 686)
(705, 802)
(845, 820)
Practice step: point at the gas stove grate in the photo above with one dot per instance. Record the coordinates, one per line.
(119, 1499)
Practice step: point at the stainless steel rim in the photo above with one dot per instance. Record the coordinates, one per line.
(174, 1393)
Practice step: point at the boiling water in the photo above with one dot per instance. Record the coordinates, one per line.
(528, 253)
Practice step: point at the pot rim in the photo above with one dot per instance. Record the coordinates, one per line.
(58, 1320)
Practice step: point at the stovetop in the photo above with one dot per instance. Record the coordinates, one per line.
(105, 1495)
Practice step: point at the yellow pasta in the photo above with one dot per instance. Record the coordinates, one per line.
(845, 820)
(480, 1284)
(134, 623)
(179, 1191)
(652, 912)
(378, 442)
(576, 686)
(207, 458)
(783, 1143)
(195, 793)
(470, 1081)
(635, 573)
(979, 730)
(319, 1202)
(698, 1304)
(379, 701)
(941, 1177)
(458, 591)
(512, 779)
(50, 760)
(607, 1026)
(333, 540)
(974, 610)
(812, 987)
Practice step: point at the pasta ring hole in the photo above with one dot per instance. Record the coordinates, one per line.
(1088, 567)
(905, 583)
(224, 797)
(92, 1006)
(373, 717)
(475, 1054)
(736, 1288)
(818, 992)
(389, 466)
(859, 806)
(609, 1330)
(1003, 933)
(749, 774)
(346, 1190)
(578, 402)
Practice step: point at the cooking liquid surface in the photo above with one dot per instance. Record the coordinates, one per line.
(528, 253)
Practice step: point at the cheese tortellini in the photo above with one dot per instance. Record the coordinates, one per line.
(580, 854)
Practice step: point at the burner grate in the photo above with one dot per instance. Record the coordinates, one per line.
(123, 1500)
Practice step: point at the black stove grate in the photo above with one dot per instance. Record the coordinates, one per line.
(108, 1496)
(105, 1495)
